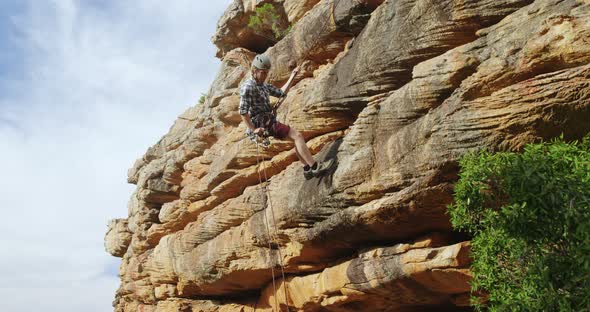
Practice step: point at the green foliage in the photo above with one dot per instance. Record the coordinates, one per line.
(530, 217)
(266, 17)
(202, 98)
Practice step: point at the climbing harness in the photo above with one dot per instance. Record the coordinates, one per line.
(263, 140)
(265, 121)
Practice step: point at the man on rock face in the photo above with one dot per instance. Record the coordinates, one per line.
(257, 113)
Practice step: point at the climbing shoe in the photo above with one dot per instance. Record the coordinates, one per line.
(308, 174)
(322, 167)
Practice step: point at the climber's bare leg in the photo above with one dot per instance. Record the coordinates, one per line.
(301, 148)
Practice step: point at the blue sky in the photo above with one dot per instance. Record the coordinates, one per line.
(11, 61)
(85, 88)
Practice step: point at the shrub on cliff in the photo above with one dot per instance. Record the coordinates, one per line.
(202, 98)
(529, 214)
(266, 17)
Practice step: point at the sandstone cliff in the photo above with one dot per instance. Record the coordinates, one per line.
(395, 92)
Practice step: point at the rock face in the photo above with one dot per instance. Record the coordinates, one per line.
(117, 238)
(395, 92)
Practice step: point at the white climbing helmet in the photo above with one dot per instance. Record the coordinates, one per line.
(261, 61)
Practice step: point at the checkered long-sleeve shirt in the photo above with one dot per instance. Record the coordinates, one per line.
(254, 99)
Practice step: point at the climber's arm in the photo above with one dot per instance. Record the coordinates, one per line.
(250, 125)
(287, 85)
(248, 121)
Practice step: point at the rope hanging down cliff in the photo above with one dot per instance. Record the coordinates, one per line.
(268, 233)
(260, 119)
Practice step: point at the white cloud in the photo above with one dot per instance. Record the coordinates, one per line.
(101, 81)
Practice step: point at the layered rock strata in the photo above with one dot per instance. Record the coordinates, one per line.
(395, 92)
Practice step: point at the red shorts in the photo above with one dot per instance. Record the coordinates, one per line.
(280, 131)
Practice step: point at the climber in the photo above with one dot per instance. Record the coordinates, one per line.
(258, 115)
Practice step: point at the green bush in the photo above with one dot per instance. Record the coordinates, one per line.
(529, 214)
(266, 17)
(202, 98)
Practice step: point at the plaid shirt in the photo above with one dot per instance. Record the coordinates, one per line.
(255, 102)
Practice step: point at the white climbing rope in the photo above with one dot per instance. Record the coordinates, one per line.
(271, 236)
